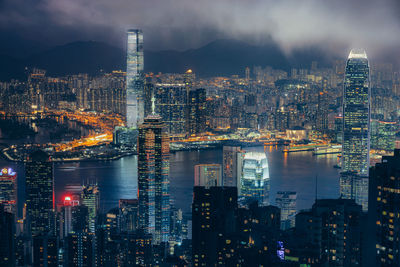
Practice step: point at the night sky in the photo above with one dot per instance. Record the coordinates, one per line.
(335, 26)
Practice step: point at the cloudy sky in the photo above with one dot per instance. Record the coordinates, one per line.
(182, 24)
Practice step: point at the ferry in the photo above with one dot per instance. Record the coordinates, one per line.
(336, 149)
(298, 148)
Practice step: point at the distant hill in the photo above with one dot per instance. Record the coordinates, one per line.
(221, 57)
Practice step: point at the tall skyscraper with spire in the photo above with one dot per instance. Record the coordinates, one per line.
(134, 79)
(153, 172)
(356, 128)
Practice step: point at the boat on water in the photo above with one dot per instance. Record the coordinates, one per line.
(305, 147)
(335, 149)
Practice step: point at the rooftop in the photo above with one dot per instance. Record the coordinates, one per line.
(358, 53)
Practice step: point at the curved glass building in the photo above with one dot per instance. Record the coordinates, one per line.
(255, 182)
(356, 128)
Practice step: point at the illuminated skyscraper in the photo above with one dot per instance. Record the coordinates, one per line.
(255, 183)
(90, 197)
(8, 190)
(134, 79)
(39, 193)
(356, 129)
(197, 111)
(207, 175)
(153, 183)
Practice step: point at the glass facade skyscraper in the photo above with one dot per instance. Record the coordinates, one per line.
(356, 128)
(153, 183)
(39, 193)
(255, 182)
(90, 197)
(134, 79)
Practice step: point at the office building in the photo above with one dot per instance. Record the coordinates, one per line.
(8, 190)
(286, 201)
(255, 182)
(356, 123)
(232, 165)
(153, 182)
(207, 175)
(134, 79)
(214, 213)
(39, 193)
(385, 207)
(90, 197)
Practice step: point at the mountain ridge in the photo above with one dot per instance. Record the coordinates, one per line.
(220, 57)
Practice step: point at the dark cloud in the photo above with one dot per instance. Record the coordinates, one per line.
(182, 24)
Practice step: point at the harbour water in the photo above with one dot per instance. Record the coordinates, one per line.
(118, 179)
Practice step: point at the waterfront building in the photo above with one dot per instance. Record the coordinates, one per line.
(207, 175)
(153, 182)
(232, 165)
(255, 181)
(385, 209)
(356, 123)
(8, 190)
(286, 201)
(39, 193)
(90, 197)
(125, 136)
(134, 79)
(214, 215)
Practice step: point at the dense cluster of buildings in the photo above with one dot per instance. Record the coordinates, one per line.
(233, 222)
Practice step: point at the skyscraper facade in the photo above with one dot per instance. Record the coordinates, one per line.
(385, 209)
(90, 197)
(153, 183)
(214, 214)
(232, 165)
(207, 175)
(39, 193)
(8, 190)
(255, 183)
(286, 201)
(134, 79)
(197, 111)
(171, 104)
(356, 128)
